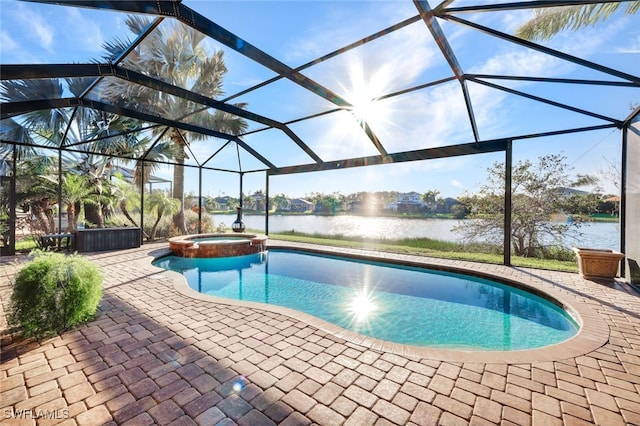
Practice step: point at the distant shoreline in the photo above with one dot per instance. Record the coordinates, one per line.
(447, 216)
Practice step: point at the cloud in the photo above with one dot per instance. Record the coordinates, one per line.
(516, 62)
(324, 32)
(511, 21)
(632, 46)
(36, 26)
(456, 184)
(92, 38)
(245, 82)
(7, 42)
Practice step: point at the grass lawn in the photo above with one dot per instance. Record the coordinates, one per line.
(414, 246)
(428, 247)
(26, 245)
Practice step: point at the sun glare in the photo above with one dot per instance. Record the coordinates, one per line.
(362, 306)
(364, 110)
(363, 92)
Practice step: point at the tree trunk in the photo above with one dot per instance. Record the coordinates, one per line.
(43, 217)
(71, 218)
(93, 214)
(518, 245)
(178, 192)
(155, 227)
(125, 212)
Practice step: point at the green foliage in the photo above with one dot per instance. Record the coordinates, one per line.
(556, 253)
(161, 204)
(54, 292)
(459, 211)
(27, 244)
(548, 22)
(191, 219)
(540, 190)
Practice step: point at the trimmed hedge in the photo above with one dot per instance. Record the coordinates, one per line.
(54, 292)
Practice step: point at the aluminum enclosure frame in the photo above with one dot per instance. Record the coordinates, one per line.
(170, 9)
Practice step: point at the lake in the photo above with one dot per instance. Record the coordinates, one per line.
(595, 234)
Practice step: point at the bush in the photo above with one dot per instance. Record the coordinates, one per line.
(555, 253)
(54, 292)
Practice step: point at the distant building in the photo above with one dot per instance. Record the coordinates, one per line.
(222, 203)
(258, 201)
(446, 205)
(195, 201)
(369, 204)
(409, 202)
(301, 205)
(568, 192)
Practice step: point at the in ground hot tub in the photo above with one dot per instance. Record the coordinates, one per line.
(217, 245)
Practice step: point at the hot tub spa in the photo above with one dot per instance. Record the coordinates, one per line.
(217, 245)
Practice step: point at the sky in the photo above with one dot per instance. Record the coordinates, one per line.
(296, 32)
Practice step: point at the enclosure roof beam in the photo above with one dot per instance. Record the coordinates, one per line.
(200, 23)
(543, 49)
(13, 108)
(548, 101)
(333, 54)
(115, 61)
(447, 51)
(564, 132)
(387, 96)
(12, 72)
(555, 80)
(519, 5)
(193, 19)
(10, 109)
(632, 117)
(126, 157)
(183, 126)
(400, 157)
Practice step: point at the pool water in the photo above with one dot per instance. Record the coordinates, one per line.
(400, 304)
(219, 239)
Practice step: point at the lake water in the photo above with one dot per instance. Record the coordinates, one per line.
(595, 235)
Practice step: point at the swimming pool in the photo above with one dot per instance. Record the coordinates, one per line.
(406, 305)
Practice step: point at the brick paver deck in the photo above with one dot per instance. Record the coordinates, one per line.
(157, 354)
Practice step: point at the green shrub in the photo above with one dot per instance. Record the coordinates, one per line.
(54, 292)
(555, 252)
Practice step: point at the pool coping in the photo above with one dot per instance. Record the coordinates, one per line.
(593, 333)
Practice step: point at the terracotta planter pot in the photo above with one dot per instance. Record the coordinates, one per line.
(596, 263)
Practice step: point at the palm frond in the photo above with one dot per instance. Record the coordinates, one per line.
(114, 48)
(546, 23)
(27, 90)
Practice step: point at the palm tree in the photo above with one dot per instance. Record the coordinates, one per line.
(160, 203)
(103, 131)
(125, 196)
(75, 190)
(175, 54)
(30, 194)
(549, 21)
(430, 199)
(36, 127)
(281, 202)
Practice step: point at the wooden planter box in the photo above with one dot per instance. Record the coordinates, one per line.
(596, 263)
(107, 239)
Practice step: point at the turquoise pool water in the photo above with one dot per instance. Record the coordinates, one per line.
(219, 239)
(400, 304)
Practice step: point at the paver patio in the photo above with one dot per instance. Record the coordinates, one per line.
(155, 355)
